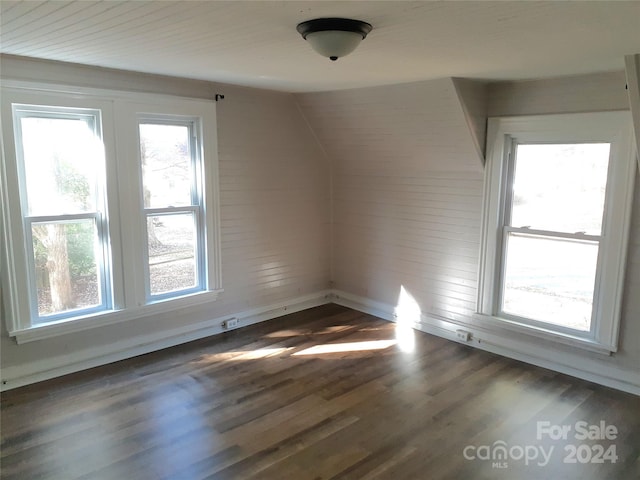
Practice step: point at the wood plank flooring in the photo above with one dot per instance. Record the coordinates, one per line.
(329, 393)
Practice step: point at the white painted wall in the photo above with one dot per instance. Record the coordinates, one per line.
(579, 93)
(274, 192)
(407, 190)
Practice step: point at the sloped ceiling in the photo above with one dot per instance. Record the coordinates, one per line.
(420, 127)
(256, 44)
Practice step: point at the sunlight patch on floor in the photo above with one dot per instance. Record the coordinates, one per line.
(296, 332)
(241, 355)
(347, 347)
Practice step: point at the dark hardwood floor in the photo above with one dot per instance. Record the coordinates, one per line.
(323, 394)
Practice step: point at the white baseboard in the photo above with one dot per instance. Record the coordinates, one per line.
(13, 377)
(591, 369)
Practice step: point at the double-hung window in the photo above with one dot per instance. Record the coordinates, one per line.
(61, 177)
(109, 208)
(173, 206)
(557, 206)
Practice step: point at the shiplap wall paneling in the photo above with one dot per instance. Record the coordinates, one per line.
(581, 93)
(407, 186)
(397, 231)
(77, 75)
(274, 199)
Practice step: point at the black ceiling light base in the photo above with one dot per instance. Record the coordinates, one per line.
(339, 24)
(334, 37)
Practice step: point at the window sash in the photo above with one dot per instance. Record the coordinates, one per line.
(199, 252)
(512, 144)
(196, 187)
(553, 233)
(502, 275)
(92, 117)
(102, 264)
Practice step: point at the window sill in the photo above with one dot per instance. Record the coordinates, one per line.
(499, 325)
(110, 317)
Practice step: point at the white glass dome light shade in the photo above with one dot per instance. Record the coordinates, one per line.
(334, 37)
(334, 43)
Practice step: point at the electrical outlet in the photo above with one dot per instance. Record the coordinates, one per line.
(231, 323)
(463, 335)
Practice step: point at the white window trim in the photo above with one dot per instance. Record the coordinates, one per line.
(111, 317)
(129, 301)
(611, 127)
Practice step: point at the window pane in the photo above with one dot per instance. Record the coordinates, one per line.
(172, 259)
(61, 158)
(550, 280)
(560, 187)
(66, 272)
(166, 165)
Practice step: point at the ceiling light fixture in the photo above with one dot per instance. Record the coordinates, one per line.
(334, 37)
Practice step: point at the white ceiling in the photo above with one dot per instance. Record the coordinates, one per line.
(256, 44)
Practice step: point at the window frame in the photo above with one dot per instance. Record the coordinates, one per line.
(601, 127)
(20, 111)
(119, 110)
(196, 208)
